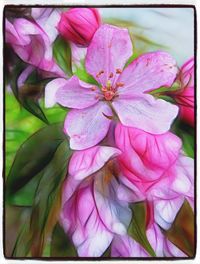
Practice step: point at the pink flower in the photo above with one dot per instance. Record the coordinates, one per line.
(91, 212)
(124, 246)
(123, 91)
(79, 25)
(32, 43)
(185, 98)
(161, 245)
(155, 167)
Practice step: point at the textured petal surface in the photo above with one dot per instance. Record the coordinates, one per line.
(161, 245)
(51, 89)
(109, 50)
(166, 210)
(82, 221)
(145, 157)
(77, 94)
(115, 213)
(32, 44)
(85, 162)
(125, 246)
(151, 115)
(87, 127)
(148, 72)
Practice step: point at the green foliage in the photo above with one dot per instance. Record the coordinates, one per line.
(137, 228)
(62, 55)
(24, 94)
(33, 155)
(61, 245)
(38, 186)
(182, 231)
(81, 72)
(187, 134)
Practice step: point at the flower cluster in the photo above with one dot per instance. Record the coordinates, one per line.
(124, 153)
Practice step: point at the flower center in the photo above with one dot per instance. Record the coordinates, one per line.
(109, 91)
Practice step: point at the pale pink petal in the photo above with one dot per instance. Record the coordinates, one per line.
(87, 127)
(173, 251)
(108, 52)
(48, 19)
(161, 245)
(85, 162)
(147, 113)
(77, 94)
(78, 55)
(80, 218)
(165, 210)
(129, 192)
(125, 246)
(51, 89)
(156, 239)
(148, 72)
(183, 183)
(32, 44)
(115, 213)
(24, 75)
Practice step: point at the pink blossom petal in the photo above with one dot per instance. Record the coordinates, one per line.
(48, 19)
(184, 180)
(166, 210)
(129, 192)
(77, 94)
(87, 127)
(151, 115)
(81, 220)
(24, 75)
(86, 162)
(51, 89)
(115, 213)
(161, 245)
(156, 239)
(125, 246)
(78, 55)
(148, 72)
(145, 157)
(109, 50)
(173, 251)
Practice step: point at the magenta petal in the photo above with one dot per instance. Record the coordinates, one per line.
(109, 50)
(86, 162)
(51, 89)
(151, 115)
(148, 72)
(77, 94)
(87, 127)
(125, 246)
(81, 220)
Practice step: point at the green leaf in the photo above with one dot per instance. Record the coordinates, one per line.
(182, 231)
(61, 245)
(28, 94)
(23, 242)
(186, 133)
(137, 228)
(47, 201)
(83, 75)
(32, 157)
(62, 55)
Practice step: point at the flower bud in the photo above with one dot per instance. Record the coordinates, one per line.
(79, 25)
(185, 97)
